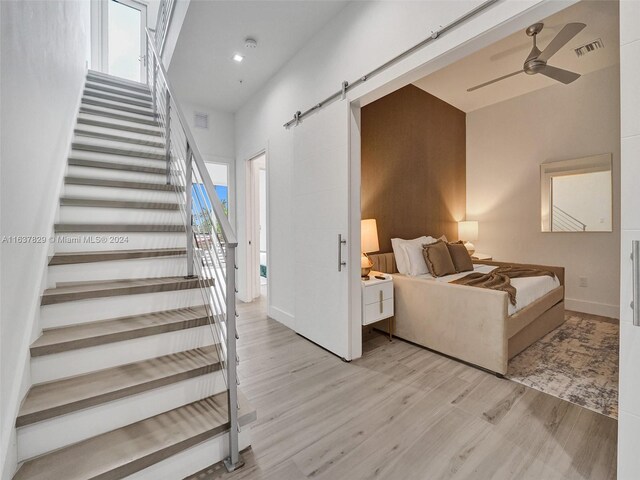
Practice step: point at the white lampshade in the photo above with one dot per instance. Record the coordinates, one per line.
(468, 230)
(369, 236)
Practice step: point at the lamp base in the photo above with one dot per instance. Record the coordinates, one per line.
(365, 267)
(471, 248)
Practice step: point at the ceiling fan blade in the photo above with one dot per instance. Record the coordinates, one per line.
(565, 35)
(564, 76)
(493, 81)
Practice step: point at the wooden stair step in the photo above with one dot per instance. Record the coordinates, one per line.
(118, 138)
(115, 228)
(60, 397)
(119, 126)
(103, 78)
(117, 116)
(112, 255)
(74, 337)
(145, 103)
(129, 449)
(96, 102)
(117, 151)
(92, 85)
(96, 202)
(82, 162)
(103, 182)
(70, 292)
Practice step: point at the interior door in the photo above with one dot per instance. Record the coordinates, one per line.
(321, 221)
(125, 41)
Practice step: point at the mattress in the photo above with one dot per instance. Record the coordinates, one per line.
(528, 289)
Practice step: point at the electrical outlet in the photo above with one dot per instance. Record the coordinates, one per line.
(583, 282)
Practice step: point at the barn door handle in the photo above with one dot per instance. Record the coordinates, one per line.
(341, 242)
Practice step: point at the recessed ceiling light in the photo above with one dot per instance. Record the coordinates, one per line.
(238, 58)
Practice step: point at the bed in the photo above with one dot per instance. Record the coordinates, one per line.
(476, 325)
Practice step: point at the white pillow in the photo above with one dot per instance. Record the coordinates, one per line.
(413, 250)
(402, 259)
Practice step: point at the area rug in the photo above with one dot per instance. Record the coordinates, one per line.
(577, 362)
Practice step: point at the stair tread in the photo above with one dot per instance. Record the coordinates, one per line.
(116, 227)
(81, 162)
(56, 338)
(130, 152)
(96, 202)
(120, 126)
(126, 450)
(59, 397)
(117, 97)
(114, 78)
(99, 289)
(109, 113)
(66, 258)
(118, 138)
(101, 87)
(103, 182)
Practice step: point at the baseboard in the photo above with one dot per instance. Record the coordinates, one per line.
(281, 316)
(594, 308)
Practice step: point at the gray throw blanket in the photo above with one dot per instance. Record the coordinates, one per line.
(500, 279)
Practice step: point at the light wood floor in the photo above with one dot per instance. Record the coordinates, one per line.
(402, 412)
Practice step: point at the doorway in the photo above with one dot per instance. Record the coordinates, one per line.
(258, 227)
(119, 38)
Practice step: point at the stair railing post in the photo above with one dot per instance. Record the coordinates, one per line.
(189, 209)
(234, 461)
(154, 72)
(167, 134)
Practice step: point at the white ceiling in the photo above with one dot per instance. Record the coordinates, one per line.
(202, 70)
(507, 55)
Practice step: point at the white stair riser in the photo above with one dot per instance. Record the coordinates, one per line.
(118, 193)
(85, 360)
(118, 97)
(119, 269)
(122, 159)
(106, 79)
(108, 110)
(48, 435)
(101, 142)
(115, 104)
(95, 85)
(143, 137)
(194, 459)
(113, 174)
(83, 311)
(114, 121)
(133, 216)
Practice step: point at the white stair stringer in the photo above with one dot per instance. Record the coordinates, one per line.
(51, 434)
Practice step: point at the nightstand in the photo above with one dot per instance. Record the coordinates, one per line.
(377, 300)
(481, 256)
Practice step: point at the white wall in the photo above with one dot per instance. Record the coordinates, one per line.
(363, 36)
(43, 53)
(629, 411)
(507, 142)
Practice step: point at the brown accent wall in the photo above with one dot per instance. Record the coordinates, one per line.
(413, 165)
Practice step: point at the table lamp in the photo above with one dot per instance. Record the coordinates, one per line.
(368, 244)
(467, 231)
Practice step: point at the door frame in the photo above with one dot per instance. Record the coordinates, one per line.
(253, 225)
(100, 35)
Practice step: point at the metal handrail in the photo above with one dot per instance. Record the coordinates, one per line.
(209, 233)
(564, 219)
(165, 12)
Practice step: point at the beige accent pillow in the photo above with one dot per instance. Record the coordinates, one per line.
(460, 257)
(438, 259)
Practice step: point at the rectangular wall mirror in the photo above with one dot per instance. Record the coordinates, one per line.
(577, 195)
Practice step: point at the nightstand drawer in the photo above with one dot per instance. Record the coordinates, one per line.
(371, 293)
(377, 311)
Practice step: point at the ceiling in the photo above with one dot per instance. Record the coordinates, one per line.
(507, 55)
(202, 69)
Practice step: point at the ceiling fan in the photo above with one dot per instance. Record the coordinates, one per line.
(536, 62)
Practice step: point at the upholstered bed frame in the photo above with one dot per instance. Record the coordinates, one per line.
(470, 323)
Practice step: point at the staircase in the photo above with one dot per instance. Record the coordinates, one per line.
(128, 374)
